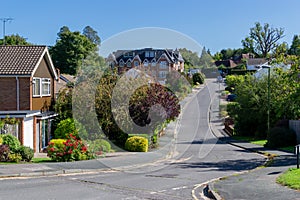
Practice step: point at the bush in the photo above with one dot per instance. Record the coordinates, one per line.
(11, 141)
(14, 157)
(1, 140)
(4, 152)
(281, 137)
(71, 149)
(136, 144)
(98, 146)
(26, 152)
(198, 78)
(67, 126)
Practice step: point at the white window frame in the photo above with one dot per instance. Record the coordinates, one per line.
(35, 88)
(46, 87)
(153, 63)
(128, 64)
(163, 65)
(41, 89)
(136, 63)
(147, 54)
(151, 54)
(162, 74)
(146, 63)
(121, 63)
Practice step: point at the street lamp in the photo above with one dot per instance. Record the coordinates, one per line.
(269, 68)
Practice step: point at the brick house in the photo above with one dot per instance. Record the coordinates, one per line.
(157, 63)
(27, 85)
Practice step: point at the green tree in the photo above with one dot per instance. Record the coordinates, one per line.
(14, 40)
(295, 47)
(248, 45)
(264, 38)
(70, 50)
(92, 35)
(206, 59)
(190, 58)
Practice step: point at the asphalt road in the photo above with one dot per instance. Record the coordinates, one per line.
(196, 157)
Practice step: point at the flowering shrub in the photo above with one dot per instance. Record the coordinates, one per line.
(69, 149)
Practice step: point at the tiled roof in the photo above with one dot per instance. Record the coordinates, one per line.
(19, 60)
(172, 55)
(256, 61)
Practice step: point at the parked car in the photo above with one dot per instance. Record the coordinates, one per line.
(231, 97)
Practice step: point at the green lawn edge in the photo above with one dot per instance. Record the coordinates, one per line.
(290, 178)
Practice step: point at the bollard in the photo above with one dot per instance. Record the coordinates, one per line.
(297, 153)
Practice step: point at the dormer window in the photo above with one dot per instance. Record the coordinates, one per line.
(149, 54)
(121, 64)
(146, 63)
(153, 63)
(128, 64)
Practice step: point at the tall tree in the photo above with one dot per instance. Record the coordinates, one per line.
(248, 44)
(14, 40)
(92, 35)
(70, 50)
(295, 47)
(264, 38)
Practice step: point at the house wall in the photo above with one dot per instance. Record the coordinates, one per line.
(8, 94)
(43, 103)
(28, 132)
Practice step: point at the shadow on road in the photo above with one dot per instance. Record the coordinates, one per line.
(228, 165)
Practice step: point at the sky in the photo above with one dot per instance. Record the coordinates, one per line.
(215, 24)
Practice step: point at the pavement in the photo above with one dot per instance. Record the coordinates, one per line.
(259, 183)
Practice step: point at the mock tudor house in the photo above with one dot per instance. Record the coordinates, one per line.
(27, 93)
(157, 63)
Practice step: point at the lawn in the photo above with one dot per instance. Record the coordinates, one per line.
(34, 160)
(290, 178)
(251, 140)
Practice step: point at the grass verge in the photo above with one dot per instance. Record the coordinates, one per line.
(41, 160)
(251, 140)
(290, 178)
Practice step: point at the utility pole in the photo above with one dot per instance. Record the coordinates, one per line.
(4, 20)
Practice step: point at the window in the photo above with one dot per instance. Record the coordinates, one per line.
(154, 74)
(136, 63)
(129, 54)
(153, 63)
(36, 87)
(151, 54)
(41, 87)
(146, 63)
(46, 86)
(162, 74)
(128, 64)
(147, 54)
(163, 64)
(121, 63)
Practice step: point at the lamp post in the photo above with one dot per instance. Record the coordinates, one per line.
(268, 112)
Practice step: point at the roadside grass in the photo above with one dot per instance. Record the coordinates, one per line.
(251, 140)
(41, 160)
(261, 142)
(289, 149)
(290, 178)
(34, 160)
